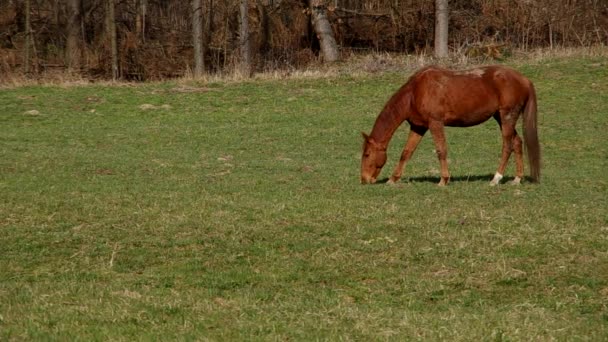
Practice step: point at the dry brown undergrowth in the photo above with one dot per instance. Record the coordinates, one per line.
(352, 65)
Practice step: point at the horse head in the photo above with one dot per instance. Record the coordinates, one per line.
(372, 160)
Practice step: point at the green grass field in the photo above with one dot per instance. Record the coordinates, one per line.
(233, 211)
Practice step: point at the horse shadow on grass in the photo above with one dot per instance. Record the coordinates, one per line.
(454, 179)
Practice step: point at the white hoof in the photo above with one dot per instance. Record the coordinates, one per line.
(392, 181)
(496, 180)
(515, 181)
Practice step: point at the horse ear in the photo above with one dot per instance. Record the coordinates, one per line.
(365, 136)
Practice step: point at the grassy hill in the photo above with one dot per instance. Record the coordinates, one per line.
(233, 211)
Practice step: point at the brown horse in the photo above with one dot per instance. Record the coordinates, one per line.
(434, 97)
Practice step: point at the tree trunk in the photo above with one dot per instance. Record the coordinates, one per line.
(28, 38)
(111, 26)
(325, 34)
(197, 37)
(56, 12)
(265, 31)
(441, 28)
(244, 42)
(73, 51)
(209, 28)
(140, 20)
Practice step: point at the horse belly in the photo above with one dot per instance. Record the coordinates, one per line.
(469, 118)
(469, 110)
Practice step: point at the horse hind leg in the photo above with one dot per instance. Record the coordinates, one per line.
(519, 159)
(508, 132)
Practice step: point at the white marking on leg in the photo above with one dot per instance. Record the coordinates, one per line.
(496, 179)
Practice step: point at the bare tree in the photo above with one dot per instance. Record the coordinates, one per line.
(329, 47)
(209, 28)
(441, 28)
(73, 50)
(56, 12)
(197, 37)
(140, 19)
(111, 27)
(28, 37)
(245, 44)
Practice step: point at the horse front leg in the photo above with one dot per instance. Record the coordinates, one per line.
(414, 137)
(438, 133)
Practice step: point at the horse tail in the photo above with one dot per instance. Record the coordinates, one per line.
(531, 134)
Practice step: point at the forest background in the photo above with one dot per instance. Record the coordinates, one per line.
(158, 39)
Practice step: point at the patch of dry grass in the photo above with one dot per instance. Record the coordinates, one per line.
(354, 64)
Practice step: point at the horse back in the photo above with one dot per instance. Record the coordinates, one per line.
(466, 97)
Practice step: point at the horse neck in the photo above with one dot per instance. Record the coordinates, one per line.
(393, 114)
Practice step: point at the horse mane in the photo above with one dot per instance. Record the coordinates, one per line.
(395, 110)
(395, 103)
